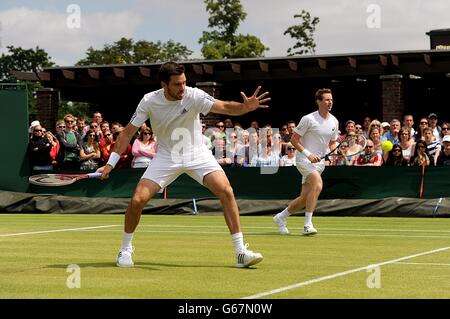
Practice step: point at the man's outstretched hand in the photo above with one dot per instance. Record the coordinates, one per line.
(255, 101)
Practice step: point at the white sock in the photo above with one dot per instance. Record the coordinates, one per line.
(238, 242)
(285, 213)
(126, 240)
(308, 218)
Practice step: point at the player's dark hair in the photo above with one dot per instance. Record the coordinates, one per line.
(321, 92)
(168, 69)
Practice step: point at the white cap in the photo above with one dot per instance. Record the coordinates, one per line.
(446, 138)
(32, 125)
(385, 124)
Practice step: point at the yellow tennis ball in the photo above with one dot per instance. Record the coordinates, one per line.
(386, 146)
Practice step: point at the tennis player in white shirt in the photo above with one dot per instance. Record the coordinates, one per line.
(174, 117)
(314, 136)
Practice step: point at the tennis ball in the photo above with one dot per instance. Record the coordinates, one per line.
(386, 146)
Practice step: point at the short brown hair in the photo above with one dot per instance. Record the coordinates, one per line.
(168, 69)
(321, 92)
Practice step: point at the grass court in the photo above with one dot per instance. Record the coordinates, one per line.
(192, 257)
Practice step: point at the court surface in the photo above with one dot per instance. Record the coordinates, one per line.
(191, 256)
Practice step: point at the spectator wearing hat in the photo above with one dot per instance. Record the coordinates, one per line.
(31, 128)
(385, 126)
(444, 156)
(40, 148)
(432, 122)
(393, 133)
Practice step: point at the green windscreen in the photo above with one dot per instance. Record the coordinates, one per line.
(13, 153)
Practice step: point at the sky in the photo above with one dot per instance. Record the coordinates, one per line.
(66, 29)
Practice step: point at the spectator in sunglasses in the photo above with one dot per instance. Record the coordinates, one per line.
(420, 155)
(369, 157)
(40, 147)
(395, 156)
(289, 158)
(144, 148)
(70, 144)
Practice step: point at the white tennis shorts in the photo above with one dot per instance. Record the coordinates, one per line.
(305, 167)
(163, 170)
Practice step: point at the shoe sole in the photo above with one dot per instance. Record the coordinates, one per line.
(124, 266)
(251, 263)
(309, 234)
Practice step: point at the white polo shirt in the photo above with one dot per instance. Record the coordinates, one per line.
(175, 123)
(316, 133)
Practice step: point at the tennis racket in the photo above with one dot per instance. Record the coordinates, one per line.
(59, 179)
(353, 145)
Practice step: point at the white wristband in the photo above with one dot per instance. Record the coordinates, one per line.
(306, 152)
(113, 159)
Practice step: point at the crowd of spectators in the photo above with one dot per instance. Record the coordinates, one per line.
(79, 144)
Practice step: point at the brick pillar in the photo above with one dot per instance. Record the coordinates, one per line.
(392, 96)
(47, 107)
(213, 89)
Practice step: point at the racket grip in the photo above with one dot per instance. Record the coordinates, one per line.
(94, 175)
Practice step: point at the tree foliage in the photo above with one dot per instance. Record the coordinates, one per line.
(25, 60)
(304, 33)
(126, 51)
(223, 41)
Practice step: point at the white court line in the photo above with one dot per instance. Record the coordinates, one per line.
(55, 231)
(340, 274)
(424, 264)
(276, 232)
(320, 228)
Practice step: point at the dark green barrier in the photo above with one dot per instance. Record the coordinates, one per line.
(248, 183)
(14, 156)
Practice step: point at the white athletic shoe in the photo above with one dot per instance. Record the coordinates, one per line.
(124, 258)
(247, 258)
(281, 223)
(309, 230)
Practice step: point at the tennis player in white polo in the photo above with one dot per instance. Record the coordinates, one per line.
(174, 117)
(314, 136)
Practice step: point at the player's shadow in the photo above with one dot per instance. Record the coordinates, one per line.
(139, 265)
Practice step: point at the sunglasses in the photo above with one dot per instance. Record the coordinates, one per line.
(108, 134)
(423, 122)
(284, 128)
(291, 149)
(69, 121)
(396, 150)
(94, 126)
(38, 130)
(219, 126)
(147, 133)
(61, 126)
(444, 128)
(91, 135)
(369, 146)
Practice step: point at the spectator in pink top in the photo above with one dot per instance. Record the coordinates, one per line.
(144, 148)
